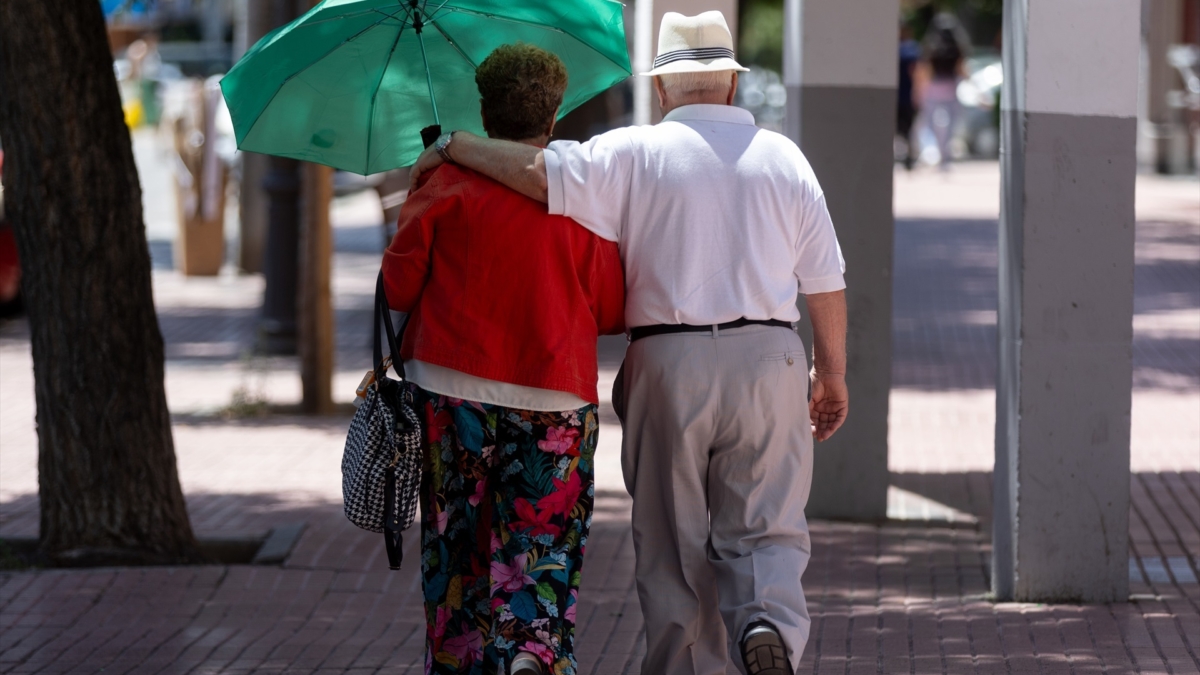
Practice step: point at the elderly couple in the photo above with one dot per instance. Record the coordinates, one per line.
(692, 236)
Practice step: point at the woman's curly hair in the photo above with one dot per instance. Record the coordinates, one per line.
(521, 87)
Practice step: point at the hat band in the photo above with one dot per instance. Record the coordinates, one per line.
(693, 55)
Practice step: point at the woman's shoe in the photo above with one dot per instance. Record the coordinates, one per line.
(525, 664)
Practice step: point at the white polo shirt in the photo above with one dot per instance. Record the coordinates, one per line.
(716, 219)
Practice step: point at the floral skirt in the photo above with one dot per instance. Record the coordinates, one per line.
(506, 505)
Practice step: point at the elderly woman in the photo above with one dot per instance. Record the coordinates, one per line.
(506, 303)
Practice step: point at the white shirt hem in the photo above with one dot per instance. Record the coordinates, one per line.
(822, 285)
(457, 384)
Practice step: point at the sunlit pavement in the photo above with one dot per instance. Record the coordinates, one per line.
(908, 596)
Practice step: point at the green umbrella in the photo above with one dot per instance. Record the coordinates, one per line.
(353, 82)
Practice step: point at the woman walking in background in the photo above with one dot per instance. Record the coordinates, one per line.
(946, 47)
(906, 106)
(506, 303)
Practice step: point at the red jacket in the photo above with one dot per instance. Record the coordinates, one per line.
(500, 289)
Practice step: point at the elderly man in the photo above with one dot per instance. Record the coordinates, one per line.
(719, 223)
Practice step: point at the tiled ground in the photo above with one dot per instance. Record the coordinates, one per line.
(906, 597)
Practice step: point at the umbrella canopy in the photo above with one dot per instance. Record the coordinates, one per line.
(352, 82)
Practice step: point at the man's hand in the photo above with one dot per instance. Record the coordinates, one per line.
(830, 399)
(428, 161)
(829, 405)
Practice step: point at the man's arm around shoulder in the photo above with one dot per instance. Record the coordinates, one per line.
(520, 167)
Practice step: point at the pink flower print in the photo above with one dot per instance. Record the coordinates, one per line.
(441, 518)
(539, 650)
(496, 543)
(560, 441)
(439, 623)
(510, 578)
(474, 499)
(569, 615)
(467, 648)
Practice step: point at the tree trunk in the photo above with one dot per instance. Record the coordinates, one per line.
(315, 312)
(107, 478)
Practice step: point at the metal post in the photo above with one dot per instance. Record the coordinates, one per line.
(277, 329)
(254, 22)
(418, 25)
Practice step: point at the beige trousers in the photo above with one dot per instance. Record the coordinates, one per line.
(717, 454)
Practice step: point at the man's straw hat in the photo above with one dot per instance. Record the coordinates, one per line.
(694, 44)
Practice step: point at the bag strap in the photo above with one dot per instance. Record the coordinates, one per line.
(383, 315)
(393, 536)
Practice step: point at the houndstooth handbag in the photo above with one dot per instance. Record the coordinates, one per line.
(381, 466)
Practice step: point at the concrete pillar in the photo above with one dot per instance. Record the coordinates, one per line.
(648, 16)
(840, 70)
(1068, 130)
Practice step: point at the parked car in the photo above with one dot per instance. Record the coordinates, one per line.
(979, 95)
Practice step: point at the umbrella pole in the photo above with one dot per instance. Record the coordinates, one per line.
(428, 78)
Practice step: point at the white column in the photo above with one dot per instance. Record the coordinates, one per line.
(644, 32)
(1068, 165)
(840, 70)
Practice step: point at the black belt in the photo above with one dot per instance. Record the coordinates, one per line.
(665, 328)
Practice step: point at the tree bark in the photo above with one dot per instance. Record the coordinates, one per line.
(315, 312)
(107, 477)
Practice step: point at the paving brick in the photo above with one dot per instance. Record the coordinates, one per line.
(906, 597)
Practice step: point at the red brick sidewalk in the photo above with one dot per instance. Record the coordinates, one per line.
(910, 596)
(891, 599)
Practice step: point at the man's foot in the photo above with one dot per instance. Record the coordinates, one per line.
(763, 651)
(526, 664)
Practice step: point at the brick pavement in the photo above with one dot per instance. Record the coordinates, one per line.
(907, 596)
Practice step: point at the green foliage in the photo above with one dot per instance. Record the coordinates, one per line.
(761, 34)
(981, 18)
(760, 29)
(249, 398)
(761, 25)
